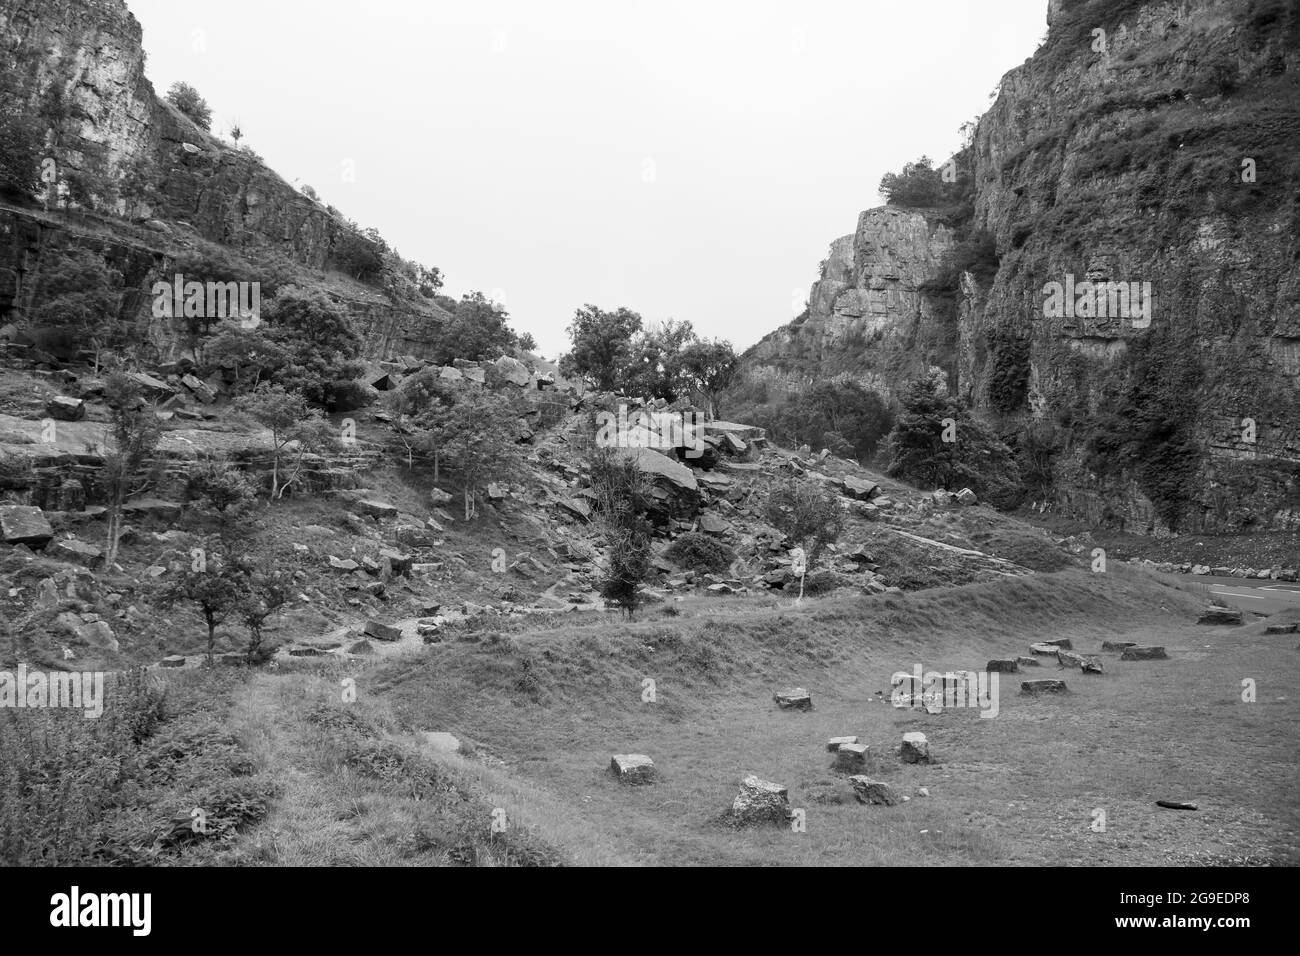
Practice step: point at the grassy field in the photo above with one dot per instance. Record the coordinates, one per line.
(549, 707)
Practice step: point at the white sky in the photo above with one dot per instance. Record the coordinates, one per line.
(690, 159)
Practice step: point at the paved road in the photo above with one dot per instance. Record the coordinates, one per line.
(1266, 597)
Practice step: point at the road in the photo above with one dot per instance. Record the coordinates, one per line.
(1264, 597)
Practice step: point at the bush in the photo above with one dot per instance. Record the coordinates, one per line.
(699, 552)
(806, 514)
(186, 99)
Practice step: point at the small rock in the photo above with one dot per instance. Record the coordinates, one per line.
(382, 632)
(874, 792)
(632, 768)
(760, 801)
(1221, 616)
(915, 749)
(795, 698)
(174, 661)
(851, 758)
(1002, 667)
(1035, 688)
(1144, 654)
(833, 744)
(1117, 645)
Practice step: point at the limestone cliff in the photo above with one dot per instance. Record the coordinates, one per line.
(1146, 141)
(159, 184)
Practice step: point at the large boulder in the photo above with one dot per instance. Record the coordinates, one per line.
(23, 524)
(794, 698)
(874, 792)
(675, 491)
(915, 748)
(383, 632)
(760, 801)
(78, 552)
(64, 409)
(632, 768)
(1221, 616)
(859, 488)
(513, 371)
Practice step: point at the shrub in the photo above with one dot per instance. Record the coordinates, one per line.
(699, 552)
(806, 514)
(186, 99)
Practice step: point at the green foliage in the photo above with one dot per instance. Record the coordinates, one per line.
(920, 185)
(602, 344)
(976, 458)
(807, 514)
(77, 297)
(700, 552)
(359, 254)
(187, 99)
(315, 335)
(622, 497)
(476, 332)
(654, 365)
(708, 367)
(296, 430)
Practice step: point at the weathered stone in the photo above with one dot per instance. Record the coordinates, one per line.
(64, 409)
(712, 524)
(1046, 650)
(1029, 662)
(1117, 645)
(165, 511)
(1283, 629)
(859, 488)
(398, 562)
(874, 792)
(152, 388)
(1226, 616)
(99, 634)
(382, 632)
(795, 698)
(1061, 643)
(23, 524)
(851, 758)
(1144, 654)
(344, 564)
(834, 743)
(632, 768)
(362, 647)
(1036, 688)
(441, 741)
(967, 497)
(174, 661)
(513, 371)
(915, 748)
(374, 509)
(1091, 665)
(78, 552)
(1002, 667)
(760, 801)
(577, 506)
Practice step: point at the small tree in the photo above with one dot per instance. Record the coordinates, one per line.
(186, 99)
(477, 437)
(213, 585)
(622, 496)
(268, 591)
(807, 515)
(296, 429)
(133, 435)
(602, 344)
(223, 492)
(708, 367)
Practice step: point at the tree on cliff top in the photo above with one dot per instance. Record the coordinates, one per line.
(921, 185)
(186, 99)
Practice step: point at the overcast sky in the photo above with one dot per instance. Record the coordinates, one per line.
(688, 159)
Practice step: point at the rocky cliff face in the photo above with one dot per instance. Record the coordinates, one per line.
(81, 63)
(1162, 151)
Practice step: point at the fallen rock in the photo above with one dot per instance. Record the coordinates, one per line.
(1175, 805)
(1002, 667)
(1144, 654)
(795, 698)
(1046, 650)
(1036, 688)
(1061, 643)
(23, 524)
(441, 741)
(344, 564)
(1225, 616)
(174, 661)
(833, 744)
(1283, 629)
(362, 647)
(64, 409)
(915, 749)
(851, 758)
(77, 552)
(1117, 645)
(967, 497)
(760, 801)
(383, 632)
(1029, 662)
(632, 768)
(374, 509)
(1091, 665)
(859, 489)
(874, 792)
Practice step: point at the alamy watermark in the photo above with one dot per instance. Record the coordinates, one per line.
(208, 300)
(935, 690)
(61, 689)
(1099, 300)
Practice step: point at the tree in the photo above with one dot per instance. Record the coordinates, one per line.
(323, 351)
(295, 428)
(21, 142)
(654, 368)
(807, 515)
(78, 302)
(476, 332)
(622, 497)
(708, 367)
(602, 344)
(921, 185)
(267, 592)
(213, 584)
(186, 99)
(359, 254)
(477, 438)
(427, 280)
(253, 355)
(418, 404)
(221, 491)
(134, 432)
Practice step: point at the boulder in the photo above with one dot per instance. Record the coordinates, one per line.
(967, 497)
(1029, 662)
(1117, 645)
(152, 388)
(1091, 665)
(23, 524)
(859, 488)
(64, 409)
(513, 371)
(77, 552)
(362, 647)
(760, 801)
(174, 661)
(1225, 616)
(382, 632)
(374, 509)
(874, 792)
(794, 698)
(1036, 688)
(834, 743)
(1002, 667)
(632, 768)
(98, 634)
(399, 563)
(165, 511)
(441, 741)
(1046, 650)
(1063, 643)
(712, 524)
(344, 564)
(1144, 654)
(1282, 629)
(915, 748)
(851, 758)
